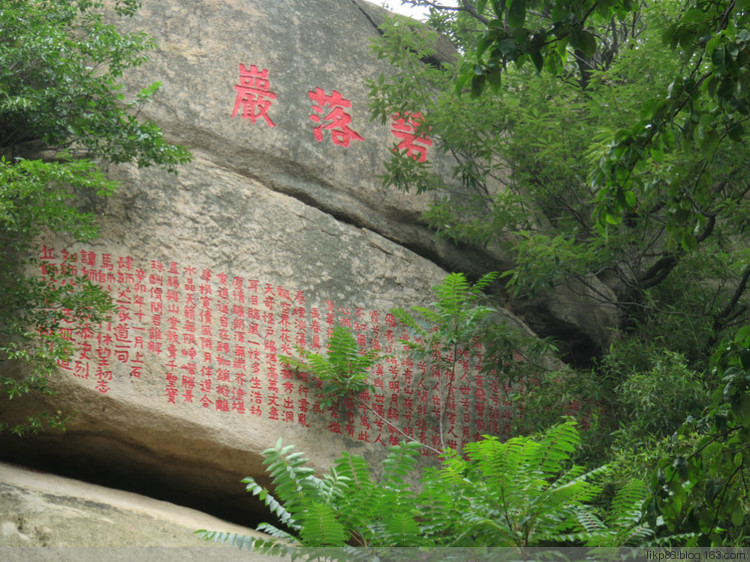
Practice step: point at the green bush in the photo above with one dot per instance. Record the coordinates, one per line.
(657, 401)
(701, 491)
(521, 492)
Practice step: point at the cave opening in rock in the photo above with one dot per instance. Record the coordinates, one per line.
(221, 496)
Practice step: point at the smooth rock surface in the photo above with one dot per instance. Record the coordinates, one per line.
(43, 510)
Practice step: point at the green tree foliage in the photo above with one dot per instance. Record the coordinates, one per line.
(523, 492)
(529, 158)
(60, 65)
(703, 489)
(62, 116)
(606, 141)
(657, 401)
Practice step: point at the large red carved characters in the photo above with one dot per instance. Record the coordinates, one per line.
(214, 341)
(329, 112)
(254, 97)
(405, 127)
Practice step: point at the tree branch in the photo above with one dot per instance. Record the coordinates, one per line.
(724, 314)
(664, 265)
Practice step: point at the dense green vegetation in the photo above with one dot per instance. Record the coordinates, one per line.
(605, 142)
(522, 492)
(62, 117)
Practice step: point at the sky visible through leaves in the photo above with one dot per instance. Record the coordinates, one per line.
(405, 9)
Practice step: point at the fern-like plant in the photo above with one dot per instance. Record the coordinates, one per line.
(343, 372)
(346, 507)
(624, 523)
(523, 492)
(451, 321)
(447, 329)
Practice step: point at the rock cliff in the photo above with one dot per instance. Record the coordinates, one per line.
(277, 232)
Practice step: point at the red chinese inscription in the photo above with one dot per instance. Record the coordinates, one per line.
(254, 97)
(329, 112)
(405, 127)
(214, 340)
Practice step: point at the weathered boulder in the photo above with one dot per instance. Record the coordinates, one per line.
(580, 314)
(41, 510)
(314, 58)
(277, 232)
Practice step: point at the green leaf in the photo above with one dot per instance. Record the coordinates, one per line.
(612, 219)
(743, 336)
(688, 242)
(692, 16)
(321, 528)
(737, 516)
(495, 79)
(517, 13)
(630, 199)
(709, 141)
(498, 6)
(718, 58)
(583, 40)
(736, 131)
(477, 85)
(537, 59)
(462, 80)
(485, 41)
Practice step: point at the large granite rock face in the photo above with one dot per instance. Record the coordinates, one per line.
(317, 58)
(275, 234)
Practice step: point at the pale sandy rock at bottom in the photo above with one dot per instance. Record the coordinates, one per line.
(43, 516)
